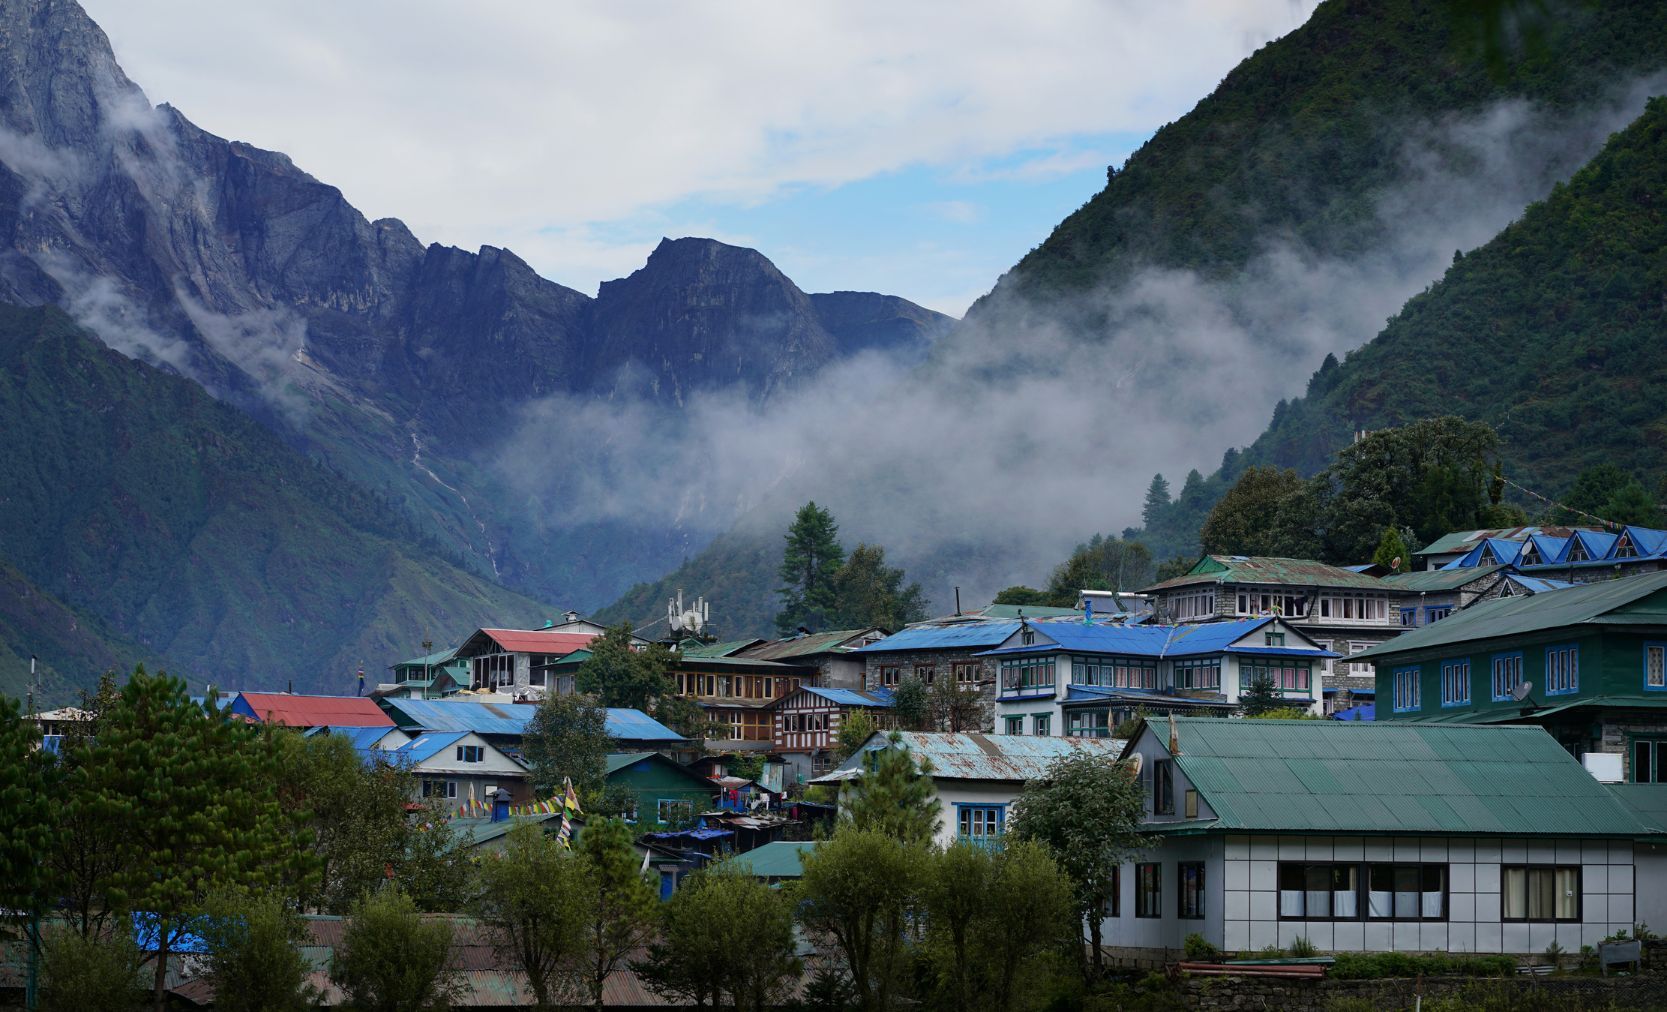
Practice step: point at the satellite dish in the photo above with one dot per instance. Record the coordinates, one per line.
(1522, 690)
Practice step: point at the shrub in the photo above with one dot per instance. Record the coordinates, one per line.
(80, 974)
(1373, 965)
(1199, 949)
(1302, 948)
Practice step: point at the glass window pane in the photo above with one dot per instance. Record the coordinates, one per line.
(1345, 896)
(1435, 892)
(1406, 892)
(1514, 893)
(1568, 894)
(1380, 898)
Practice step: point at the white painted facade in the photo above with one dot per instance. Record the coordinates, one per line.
(453, 774)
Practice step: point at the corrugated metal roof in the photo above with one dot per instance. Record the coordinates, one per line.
(1372, 777)
(311, 711)
(1515, 616)
(361, 737)
(1007, 757)
(778, 859)
(1648, 802)
(1260, 569)
(1195, 639)
(434, 660)
(616, 761)
(723, 649)
(807, 645)
(426, 746)
(1537, 584)
(538, 641)
(1437, 580)
(851, 697)
(512, 718)
(954, 636)
(1013, 611)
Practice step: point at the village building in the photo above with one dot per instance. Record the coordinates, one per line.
(773, 863)
(1342, 611)
(504, 660)
(975, 777)
(807, 723)
(432, 676)
(1078, 679)
(458, 767)
(659, 793)
(1589, 664)
(504, 724)
(1456, 545)
(736, 692)
(944, 649)
(832, 654)
(1361, 836)
(1578, 555)
(368, 741)
(293, 710)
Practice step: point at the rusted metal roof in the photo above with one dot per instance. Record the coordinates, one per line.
(1435, 581)
(808, 645)
(311, 711)
(1269, 570)
(538, 641)
(1006, 757)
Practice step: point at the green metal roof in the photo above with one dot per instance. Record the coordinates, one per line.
(1261, 569)
(616, 761)
(1332, 776)
(1648, 802)
(780, 859)
(802, 646)
(1620, 600)
(723, 649)
(1437, 580)
(437, 659)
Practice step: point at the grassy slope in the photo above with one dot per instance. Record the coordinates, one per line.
(191, 530)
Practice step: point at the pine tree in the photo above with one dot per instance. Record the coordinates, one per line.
(894, 796)
(868, 593)
(618, 906)
(1392, 552)
(1155, 514)
(1259, 697)
(811, 558)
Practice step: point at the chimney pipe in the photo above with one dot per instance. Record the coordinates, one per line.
(957, 600)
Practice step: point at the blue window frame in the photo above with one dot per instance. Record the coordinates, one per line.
(981, 825)
(1041, 724)
(1507, 675)
(1437, 614)
(1655, 667)
(1407, 689)
(1455, 682)
(1409, 617)
(1015, 725)
(1562, 669)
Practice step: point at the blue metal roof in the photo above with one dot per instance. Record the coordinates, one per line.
(1198, 639)
(1103, 693)
(1539, 584)
(512, 718)
(956, 636)
(425, 747)
(1283, 651)
(361, 737)
(1365, 711)
(851, 697)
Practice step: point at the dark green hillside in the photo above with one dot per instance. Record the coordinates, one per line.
(192, 531)
(72, 647)
(1299, 140)
(1555, 333)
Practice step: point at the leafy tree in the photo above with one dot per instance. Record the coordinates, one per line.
(25, 816)
(860, 889)
(894, 796)
(868, 593)
(728, 939)
(1180, 565)
(954, 892)
(686, 717)
(356, 814)
(1022, 595)
(1101, 564)
(392, 958)
(567, 738)
(616, 674)
(811, 558)
(1259, 697)
(910, 705)
(196, 797)
(854, 730)
(1245, 521)
(254, 956)
(618, 907)
(1086, 810)
(745, 766)
(956, 707)
(1029, 914)
(529, 901)
(1392, 553)
(434, 870)
(82, 974)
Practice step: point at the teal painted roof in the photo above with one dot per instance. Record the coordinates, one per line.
(1646, 801)
(1437, 580)
(1268, 570)
(723, 649)
(438, 659)
(1328, 776)
(1592, 603)
(616, 761)
(780, 859)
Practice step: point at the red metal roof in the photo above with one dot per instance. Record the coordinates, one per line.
(538, 641)
(314, 711)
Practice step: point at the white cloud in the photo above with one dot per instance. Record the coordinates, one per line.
(481, 123)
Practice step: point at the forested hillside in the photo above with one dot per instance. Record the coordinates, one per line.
(196, 534)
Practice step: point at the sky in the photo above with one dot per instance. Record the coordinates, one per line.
(916, 149)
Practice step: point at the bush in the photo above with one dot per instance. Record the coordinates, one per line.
(1373, 965)
(1302, 948)
(81, 975)
(1198, 949)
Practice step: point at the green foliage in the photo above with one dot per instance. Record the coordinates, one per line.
(1260, 698)
(893, 797)
(1302, 948)
(83, 855)
(1246, 520)
(1179, 565)
(1030, 918)
(1374, 965)
(254, 956)
(859, 889)
(82, 974)
(567, 738)
(435, 870)
(1199, 949)
(1286, 713)
(1022, 595)
(854, 729)
(1101, 564)
(1392, 553)
(619, 908)
(1606, 491)
(25, 815)
(1086, 810)
(728, 940)
(747, 766)
(956, 707)
(811, 558)
(868, 593)
(528, 899)
(910, 704)
(392, 958)
(618, 675)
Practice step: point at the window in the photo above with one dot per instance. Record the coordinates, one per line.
(1028, 637)
(1042, 724)
(1113, 906)
(1562, 669)
(966, 674)
(1285, 675)
(471, 753)
(1406, 689)
(1319, 892)
(1163, 787)
(1088, 724)
(1274, 639)
(1507, 675)
(1198, 674)
(1015, 725)
(1191, 803)
(1437, 614)
(1193, 604)
(1406, 892)
(1649, 761)
(890, 674)
(981, 824)
(1359, 667)
(1115, 672)
(675, 809)
(1409, 617)
(439, 788)
(1148, 890)
(1539, 892)
(1189, 900)
(1027, 676)
(1655, 666)
(1455, 683)
(925, 673)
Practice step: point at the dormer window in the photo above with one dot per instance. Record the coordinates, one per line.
(1274, 639)
(1577, 550)
(1028, 637)
(1624, 549)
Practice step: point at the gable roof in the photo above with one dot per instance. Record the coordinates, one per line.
(1193, 639)
(310, 711)
(362, 737)
(776, 859)
(1435, 581)
(1000, 757)
(512, 718)
(723, 649)
(877, 698)
(1516, 616)
(832, 642)
(1392, 777)
(530, 641)
(951, 636)
(1261, 569)
(617, 761)
(425, 747)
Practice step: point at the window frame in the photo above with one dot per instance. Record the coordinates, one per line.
(1529, 869)
(1113, 907)
(1508, 696)
(1573, 652)
(1661, 646)
(1411, 700)
(1184, 673)
(1148, 904)
(1331, 866)
(1455, 674)
(1163, 770)
(660, 808)
(1041, 725)
(1657, 744)
(1197, 891)
(1014, 724)
(1422, 866)
(985, 813)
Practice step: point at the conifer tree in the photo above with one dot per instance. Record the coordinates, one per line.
(618, 907)
(868, 593)
(25, 817)
(894, 796)
(1155, 512)
(1392, 552)
(1259, 697)
(811, 558)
